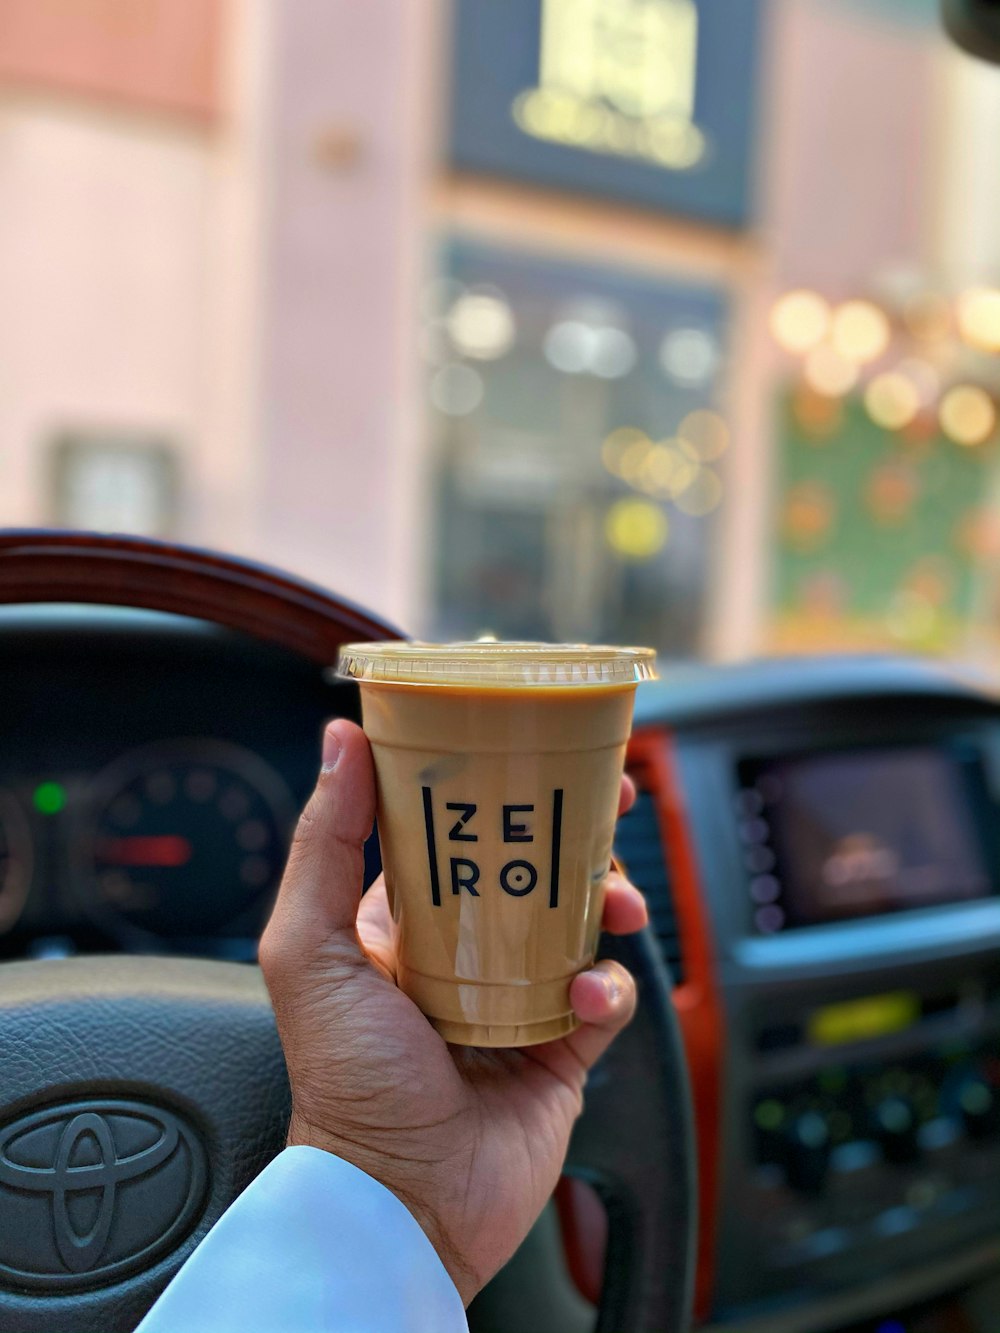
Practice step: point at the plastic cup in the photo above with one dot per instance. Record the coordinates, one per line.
(498, 768)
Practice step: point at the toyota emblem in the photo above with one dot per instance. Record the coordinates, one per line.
(91, 1191)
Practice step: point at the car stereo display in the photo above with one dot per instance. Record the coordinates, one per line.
(833, 836)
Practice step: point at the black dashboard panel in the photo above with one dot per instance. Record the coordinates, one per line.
(859, 1139)
(837, 835)
(151, 768)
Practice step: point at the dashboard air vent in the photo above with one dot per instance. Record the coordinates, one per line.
(639, 848)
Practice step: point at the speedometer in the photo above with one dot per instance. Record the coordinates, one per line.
(15, 860)
(185, 840)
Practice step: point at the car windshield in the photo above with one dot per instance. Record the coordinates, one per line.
(652, 321)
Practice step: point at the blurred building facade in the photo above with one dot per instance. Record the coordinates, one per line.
(614, 319)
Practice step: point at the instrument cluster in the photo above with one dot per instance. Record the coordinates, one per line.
(173, 844)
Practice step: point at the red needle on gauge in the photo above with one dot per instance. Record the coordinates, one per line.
(165, 850)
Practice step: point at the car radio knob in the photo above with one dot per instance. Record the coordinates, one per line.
(896, 1128)
(806, 1143)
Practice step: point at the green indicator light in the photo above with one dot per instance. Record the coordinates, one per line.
(769, 1114)
(50, 797)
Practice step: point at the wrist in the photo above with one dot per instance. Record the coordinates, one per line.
(398, 1176)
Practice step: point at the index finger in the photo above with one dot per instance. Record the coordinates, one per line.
(626, 797)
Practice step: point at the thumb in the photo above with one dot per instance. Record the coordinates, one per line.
(317, 903)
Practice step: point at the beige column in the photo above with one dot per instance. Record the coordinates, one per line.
(221, 506)
(339, 475)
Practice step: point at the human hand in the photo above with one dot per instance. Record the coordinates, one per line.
(471, 1141)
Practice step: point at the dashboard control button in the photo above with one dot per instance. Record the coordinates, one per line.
(809, 1246)
(769, 1115)
(769, 919)
(749, 803)
(854, 1181)
(754, 831)
(938, 1139)
(759, 861)
(896, 1221)
(764, 888)
(806, 1144)
(895, 1124)
(850, 1159)
(822, 1244)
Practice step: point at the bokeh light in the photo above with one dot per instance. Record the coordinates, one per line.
(456, 390)
(701, 495)
(927, 315)
(817, 414)
(910, 617)
(924, 378)
(613, 353)
(891, 492)
(667, 469)
(892, 400)
(978, 311)
(977, 533)
(568, 345)
(932, 577)
(799, 320)
(636, 529)
(706, 432)
(577, 347)
(808, 515)
(689, 356)
(967, 414)
(859, 331)
(632, 459)
(481, 326)
(829, 373)
(616, 445)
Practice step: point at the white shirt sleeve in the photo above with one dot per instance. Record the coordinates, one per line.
(313, 1245)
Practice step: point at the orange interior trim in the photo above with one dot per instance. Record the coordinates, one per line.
(652, 759)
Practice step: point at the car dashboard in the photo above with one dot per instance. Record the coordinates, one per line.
(819, 843)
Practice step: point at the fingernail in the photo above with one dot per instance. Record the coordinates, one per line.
(612, 987)
(331, 750)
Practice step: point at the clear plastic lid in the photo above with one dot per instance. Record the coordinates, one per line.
(502, 665)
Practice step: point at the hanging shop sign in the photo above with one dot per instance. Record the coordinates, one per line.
(642, 101)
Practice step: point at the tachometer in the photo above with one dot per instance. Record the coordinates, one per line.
(185, 839)
(15, 860)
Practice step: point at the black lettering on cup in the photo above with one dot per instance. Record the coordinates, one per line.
(470, 878)
(557, 806)
(432, 861)
(516, 832)
(518, 878)
(456, 834)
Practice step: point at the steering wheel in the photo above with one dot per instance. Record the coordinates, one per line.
(141, 1095)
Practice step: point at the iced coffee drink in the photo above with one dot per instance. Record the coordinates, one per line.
(498, 769)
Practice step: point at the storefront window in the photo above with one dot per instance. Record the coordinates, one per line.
(578, 448)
